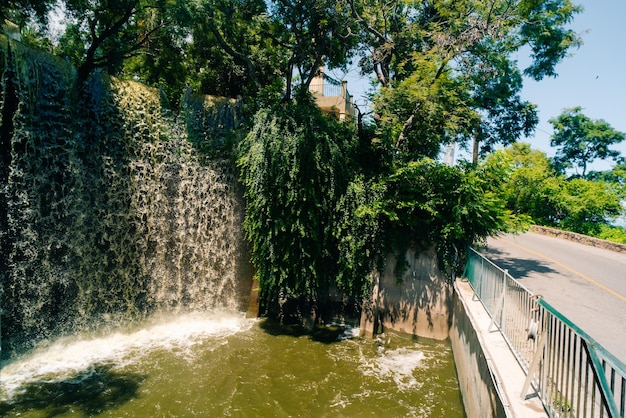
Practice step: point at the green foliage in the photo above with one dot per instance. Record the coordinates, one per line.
(447, 71)
(422, 111)
(616, 176)
(495, 95)
(544, 29)
(22, 12)
(612, 233)
(361, 240)
(312, 33)
(161, 63)
(426, 204)
(583, 140)
(533, 184)
(315, 226)
(215, 125)
(34, 37)
(103, 34)
(232, 51)
(583, 205)
(295, 165)
(536, 189)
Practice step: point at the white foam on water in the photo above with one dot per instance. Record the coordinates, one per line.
(349, 333)
(398, 365)
(70, 356)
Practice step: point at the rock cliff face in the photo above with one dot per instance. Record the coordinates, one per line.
(112, 207)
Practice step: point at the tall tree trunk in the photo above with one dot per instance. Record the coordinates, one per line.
(288, 81)
(475, 149)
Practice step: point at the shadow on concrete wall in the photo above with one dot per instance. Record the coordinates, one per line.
(420, 303)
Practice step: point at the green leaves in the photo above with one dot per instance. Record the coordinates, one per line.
(426, 204)
(582, 140)
(446, 68)
(543, 27)
(536, 189)
(585, 205)
(295, 166)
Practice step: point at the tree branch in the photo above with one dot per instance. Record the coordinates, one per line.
(379, 68)
(234, 53)
(90, 61)
(406, 125)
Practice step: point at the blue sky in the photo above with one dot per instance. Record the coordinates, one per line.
(592, 77)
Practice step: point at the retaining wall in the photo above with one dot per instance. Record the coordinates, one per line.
(424, 303)
(583, 239)
(418, 303)
(480, 395)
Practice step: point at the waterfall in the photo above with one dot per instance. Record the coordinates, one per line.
(111, 208)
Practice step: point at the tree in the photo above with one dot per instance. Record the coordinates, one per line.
(255, 47)
(21, 12)
(583, 140)
(161, 59)
(445, 68)
(615, 176)
(535, 188)
(583, 206)
(231, 51)
(103, 34)
(314, 33)
(427, 205)
(296, 165)
(532, 184)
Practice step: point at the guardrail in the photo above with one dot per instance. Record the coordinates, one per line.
(572, 374)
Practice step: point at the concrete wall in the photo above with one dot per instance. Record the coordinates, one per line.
(420, 304)
(480, 397)
(424, 304)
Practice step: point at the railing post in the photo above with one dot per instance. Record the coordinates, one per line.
(534, 364)
(499, 309)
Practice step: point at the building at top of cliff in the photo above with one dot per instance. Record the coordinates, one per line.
(332, 96)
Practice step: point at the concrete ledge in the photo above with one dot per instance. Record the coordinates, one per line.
(583, 239)
(485, 364)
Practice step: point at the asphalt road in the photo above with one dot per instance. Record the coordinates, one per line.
(586, 284)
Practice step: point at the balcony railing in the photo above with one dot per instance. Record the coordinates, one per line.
(328, 87)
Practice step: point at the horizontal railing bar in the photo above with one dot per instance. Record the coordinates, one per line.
(598, 372)
(498, 268)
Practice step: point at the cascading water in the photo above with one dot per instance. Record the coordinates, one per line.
(111, 213)
(124, 271)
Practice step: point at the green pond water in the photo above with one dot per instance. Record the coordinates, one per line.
(222, 364)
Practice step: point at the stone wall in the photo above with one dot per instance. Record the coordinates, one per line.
(583, 239)
(420, 303)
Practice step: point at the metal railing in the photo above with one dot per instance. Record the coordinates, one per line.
(327, 87)
(572, 374)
